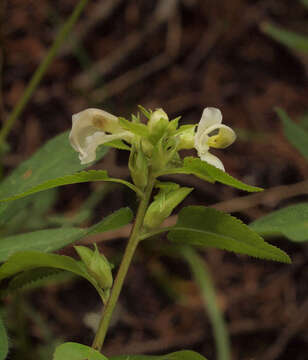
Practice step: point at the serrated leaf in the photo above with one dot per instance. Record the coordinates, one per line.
(288, 38)
(291, 222)
(54, 239)
(296, 135)
(178, 355)
(75, 351)
(33, 278)
(28, 260)
(81, 177)
(199, 167)
(136, 128)
(54, 159)
(4, 342)
(207, 227)
(210, 173)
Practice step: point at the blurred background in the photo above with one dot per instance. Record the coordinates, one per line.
(181, 55)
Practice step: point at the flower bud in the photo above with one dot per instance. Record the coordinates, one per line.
(97, 265)
(187, 137)
(158, 124)
(163, 205)
(138, 166)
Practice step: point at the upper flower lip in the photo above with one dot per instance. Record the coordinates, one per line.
(91, 128)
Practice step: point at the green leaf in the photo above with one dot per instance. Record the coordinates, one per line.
(54, 239)
(178, 355)
(144, 111)
(4, 342)
(28, 260)
(291, 222)
(81, 177)
(136, 128)
(34, 278)
(40, 240)
(75, 351)
(288, 38)
(118, 144)
(207, 227)
(296, 135)
(53, 160)
(210, 173)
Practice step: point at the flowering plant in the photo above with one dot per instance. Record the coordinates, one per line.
(155, 151)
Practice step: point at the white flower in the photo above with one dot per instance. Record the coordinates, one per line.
(94, 127)
(211, 133)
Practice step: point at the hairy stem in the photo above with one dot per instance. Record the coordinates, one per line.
(126, 260)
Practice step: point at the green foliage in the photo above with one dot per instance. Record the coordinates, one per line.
(97, 265)
(17, 216)
(288, 38)
(117, 144)
(83, 176)
(169, 196)
(207, 227)
(28, 260)
(34, 278)
(291, 222)
(4, 343)
(208, 172)
(178, 355)
(53, 160)
(136, 128)
(296, 135)
(54, 239)
(75, 351)
(203, 279)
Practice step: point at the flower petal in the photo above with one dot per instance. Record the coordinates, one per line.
(210, 116)
(87, 153)
(201, 143)
(213, 160)
(89, 131)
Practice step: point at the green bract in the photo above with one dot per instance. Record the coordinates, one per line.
(97, 265)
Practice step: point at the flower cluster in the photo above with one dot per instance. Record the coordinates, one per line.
(94, 127)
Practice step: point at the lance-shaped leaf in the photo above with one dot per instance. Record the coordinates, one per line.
(296, 135)
(207, 227)
(210, 173)
(28, 260)
(288, 38)
(81, 177)
(75, 351)
(54, 239)
(291, 222)
(53, 160)
(178, 355)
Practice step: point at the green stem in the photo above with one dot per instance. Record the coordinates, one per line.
(40, 71)
(126, 260)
